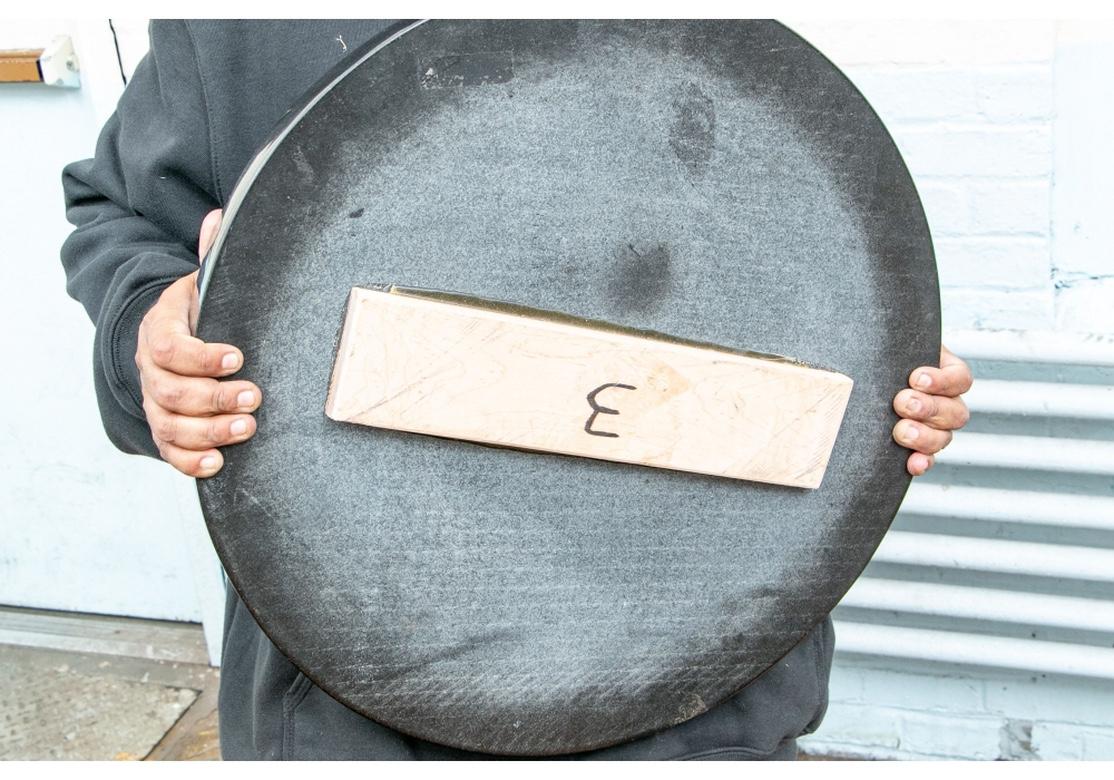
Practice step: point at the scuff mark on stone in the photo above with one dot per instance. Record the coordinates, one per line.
(303, 164)
(692, 136)
(472, 69)
(641, 276)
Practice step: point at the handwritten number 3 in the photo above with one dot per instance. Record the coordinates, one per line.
(598, 410)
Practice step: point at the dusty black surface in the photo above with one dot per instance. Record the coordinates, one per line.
(721, 182)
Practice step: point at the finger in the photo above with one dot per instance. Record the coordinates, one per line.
(953, 378)
(210, 226)
(200, 433)
(918, 464)
(191, 463)
(919, 437)
(181, 353)
(936, 411)
(198, 396)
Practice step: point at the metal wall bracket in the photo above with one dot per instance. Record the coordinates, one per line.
(59, 65)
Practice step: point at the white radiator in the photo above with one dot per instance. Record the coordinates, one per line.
(1003, 556)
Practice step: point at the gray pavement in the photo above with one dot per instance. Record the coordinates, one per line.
(102, 704)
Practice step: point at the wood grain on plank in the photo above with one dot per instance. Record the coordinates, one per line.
(20, 65)
(479, 371)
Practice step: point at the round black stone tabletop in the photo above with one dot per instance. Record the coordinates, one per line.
(716, 181)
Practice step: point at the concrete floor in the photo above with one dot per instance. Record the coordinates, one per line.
(95, 688)
(105, 688)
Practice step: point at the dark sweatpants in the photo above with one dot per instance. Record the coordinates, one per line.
(270, 710)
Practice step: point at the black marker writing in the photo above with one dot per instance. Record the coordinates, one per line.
(598, 410)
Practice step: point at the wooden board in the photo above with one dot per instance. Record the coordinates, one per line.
(20, 66)
(470, 369)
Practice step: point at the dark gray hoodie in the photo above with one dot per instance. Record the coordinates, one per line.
(198, 106)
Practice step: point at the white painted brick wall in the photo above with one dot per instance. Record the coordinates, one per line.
(1063, 742)
(874, 731)
(920, 714)
(930, 42)
(1008, 130)
(1005, 126)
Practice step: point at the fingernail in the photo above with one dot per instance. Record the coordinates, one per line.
(246, 398)
(238, 427)
(911, 433)
(208, 463)
(231, 360)
(924, 381)
(913, 405)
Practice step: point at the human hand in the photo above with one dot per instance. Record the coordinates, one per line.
(189, 411)
(931, 408)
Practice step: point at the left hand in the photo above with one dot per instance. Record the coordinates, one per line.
(931, 408)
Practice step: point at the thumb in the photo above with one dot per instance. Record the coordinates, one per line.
(189, 301)
(210, 226)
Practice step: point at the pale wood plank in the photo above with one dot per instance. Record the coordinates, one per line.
(20, 66)
(473, 370)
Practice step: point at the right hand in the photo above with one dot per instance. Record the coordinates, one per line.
(189, 411)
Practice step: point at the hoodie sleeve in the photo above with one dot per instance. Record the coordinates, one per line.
(136, 208)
